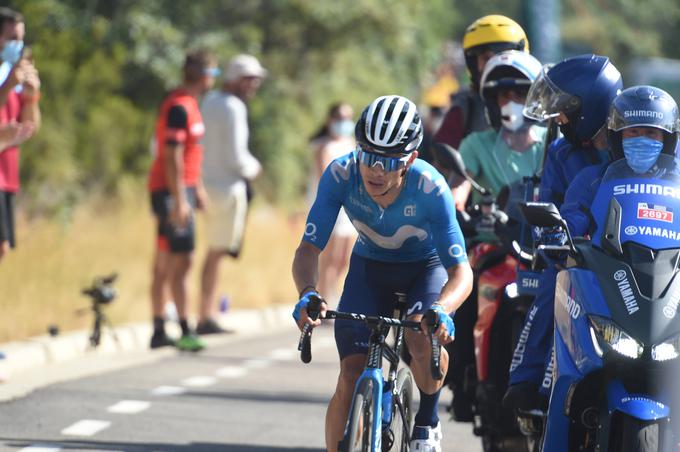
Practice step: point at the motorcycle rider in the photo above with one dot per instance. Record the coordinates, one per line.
(485, 37)
(576, 93)
(643, 124)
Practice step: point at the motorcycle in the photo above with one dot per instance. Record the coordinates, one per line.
(617, 332)
(505, 288)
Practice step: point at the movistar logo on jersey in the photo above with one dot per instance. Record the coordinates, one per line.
(647, 189)
(642, 114)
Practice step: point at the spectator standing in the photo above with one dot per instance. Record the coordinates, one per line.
(228, 170)
(19, 115)
(176, 191)
(333, 140)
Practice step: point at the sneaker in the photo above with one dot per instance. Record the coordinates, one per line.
(190, 343)
(210, 326)
(427, 439)
(160, 339)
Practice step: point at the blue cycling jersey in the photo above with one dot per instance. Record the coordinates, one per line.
(419, 224)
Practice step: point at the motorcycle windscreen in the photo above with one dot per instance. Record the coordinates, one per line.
(639, 208)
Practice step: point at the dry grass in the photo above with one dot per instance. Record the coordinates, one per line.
(40, 281)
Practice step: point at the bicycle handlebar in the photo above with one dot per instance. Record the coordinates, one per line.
(314, 309)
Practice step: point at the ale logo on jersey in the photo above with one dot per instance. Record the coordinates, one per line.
(656, 212)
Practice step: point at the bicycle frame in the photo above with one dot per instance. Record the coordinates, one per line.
(377, 350)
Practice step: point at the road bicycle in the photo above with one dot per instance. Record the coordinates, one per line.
(380, 414)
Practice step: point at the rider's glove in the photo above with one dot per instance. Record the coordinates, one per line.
(445, 318)
(304, 301)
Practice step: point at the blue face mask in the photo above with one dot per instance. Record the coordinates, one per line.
(11, 52)
(342, 128)
(641, 153)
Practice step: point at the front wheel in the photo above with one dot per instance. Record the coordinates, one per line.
(359, 430)
(400, 427)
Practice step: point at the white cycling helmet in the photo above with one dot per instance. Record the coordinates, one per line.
(390, 125)
(509, 69)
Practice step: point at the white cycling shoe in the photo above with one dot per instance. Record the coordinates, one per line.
(426, 439)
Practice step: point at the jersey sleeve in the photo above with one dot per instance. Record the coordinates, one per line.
(177, 125)
(552, 189)
(470, 154)
(324, 211)
(579, 198)
(446, 234)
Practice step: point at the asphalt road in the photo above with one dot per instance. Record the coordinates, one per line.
(250, 394)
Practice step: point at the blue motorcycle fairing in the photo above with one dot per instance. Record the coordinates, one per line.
(528, 282)
(639, 406)
(650, 206)
(578, 293)
(565, 375)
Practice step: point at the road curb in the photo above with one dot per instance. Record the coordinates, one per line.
(41, 351)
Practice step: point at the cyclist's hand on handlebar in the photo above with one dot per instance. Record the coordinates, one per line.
(446, 330)
(312, 304)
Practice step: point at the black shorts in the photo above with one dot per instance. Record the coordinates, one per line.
(7, 217)
(171, 238)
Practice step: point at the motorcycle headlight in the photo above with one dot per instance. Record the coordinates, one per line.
(607, 332)
(666, 350)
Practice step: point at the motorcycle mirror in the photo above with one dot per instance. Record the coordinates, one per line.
(451, 159)
(542, 214)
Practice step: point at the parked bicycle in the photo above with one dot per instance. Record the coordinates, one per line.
(380, 415)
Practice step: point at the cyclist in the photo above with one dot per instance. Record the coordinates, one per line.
(577, 93)
(409, 241)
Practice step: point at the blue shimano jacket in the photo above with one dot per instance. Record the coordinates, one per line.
(562, 163)
(419, 224)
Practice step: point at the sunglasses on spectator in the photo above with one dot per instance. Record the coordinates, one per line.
(212, 72)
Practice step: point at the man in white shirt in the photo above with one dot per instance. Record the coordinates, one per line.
(228, 168)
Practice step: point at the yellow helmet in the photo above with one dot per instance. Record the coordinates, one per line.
(495, 33)
(495, 29)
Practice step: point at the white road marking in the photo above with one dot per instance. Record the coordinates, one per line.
(200, 380)
(231, 372)
(86, 427)
(41, 448)
(258, 363)
(168, 390)
(283, 354)
(129, 407)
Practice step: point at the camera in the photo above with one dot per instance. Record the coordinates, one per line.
(102, 291)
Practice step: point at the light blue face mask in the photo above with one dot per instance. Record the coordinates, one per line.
(11, 52)
(342, 128)
(641, 153)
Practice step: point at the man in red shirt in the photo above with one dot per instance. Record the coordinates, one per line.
(19, 115)
(176, 191)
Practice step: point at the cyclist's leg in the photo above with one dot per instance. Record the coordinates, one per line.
(424, 292)
(338, 408)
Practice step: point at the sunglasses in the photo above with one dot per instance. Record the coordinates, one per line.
(212, 72)
(388, 164)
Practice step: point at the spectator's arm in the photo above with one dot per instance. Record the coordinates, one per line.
(236, 139)
(30, 111)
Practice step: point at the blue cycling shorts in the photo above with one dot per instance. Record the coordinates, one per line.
(369, 289)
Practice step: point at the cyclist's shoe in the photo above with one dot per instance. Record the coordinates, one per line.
(190, 343)
(210, 326)
(426, 439)
(160, 339)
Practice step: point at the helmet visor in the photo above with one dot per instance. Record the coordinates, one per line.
(642, 118)
(545, 100)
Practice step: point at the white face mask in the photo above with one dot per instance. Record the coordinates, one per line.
(511, 116)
